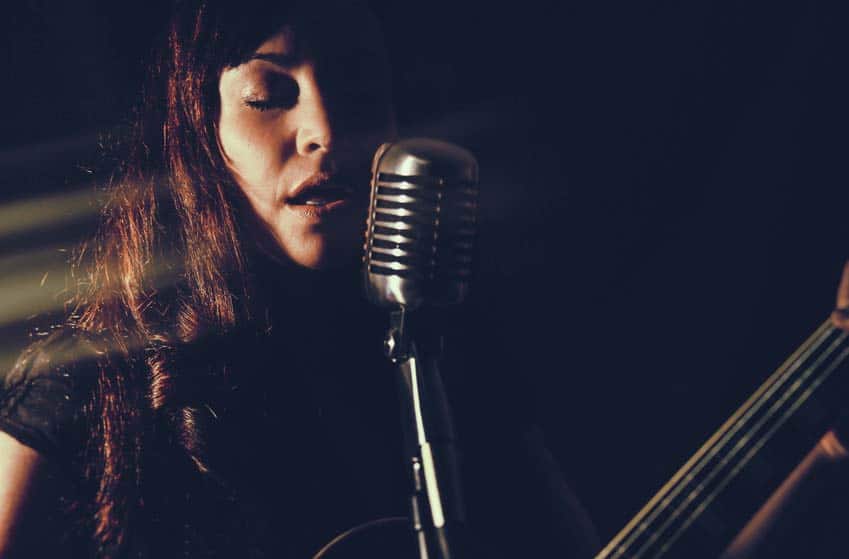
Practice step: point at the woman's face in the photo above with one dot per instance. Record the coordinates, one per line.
(299, 122)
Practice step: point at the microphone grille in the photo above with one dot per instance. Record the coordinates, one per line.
(421, 228)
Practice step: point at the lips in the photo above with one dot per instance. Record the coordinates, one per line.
(323, 196)
(320, 195)
(320, 190)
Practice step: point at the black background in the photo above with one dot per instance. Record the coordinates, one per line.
(664, 191)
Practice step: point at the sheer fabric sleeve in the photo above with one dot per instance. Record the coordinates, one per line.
(43, 398)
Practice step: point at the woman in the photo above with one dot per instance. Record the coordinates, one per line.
(219, 389)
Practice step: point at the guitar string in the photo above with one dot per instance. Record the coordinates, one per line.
(662, 499)
(727, 456)
(754, 450)
(775, 409)
(669, 491)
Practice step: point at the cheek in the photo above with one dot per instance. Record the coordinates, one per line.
(253, 146)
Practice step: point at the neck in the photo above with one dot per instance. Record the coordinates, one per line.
(698, 511)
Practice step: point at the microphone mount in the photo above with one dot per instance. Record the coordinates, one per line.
(436, 503)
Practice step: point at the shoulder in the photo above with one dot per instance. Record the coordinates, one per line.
(488, 372)
(44, 396)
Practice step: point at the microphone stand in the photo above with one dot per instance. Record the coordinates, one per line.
(437, 510)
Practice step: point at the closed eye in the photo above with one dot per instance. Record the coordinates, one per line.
(268, 104)
(283, 93)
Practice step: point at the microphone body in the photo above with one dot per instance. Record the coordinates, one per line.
(418, 261)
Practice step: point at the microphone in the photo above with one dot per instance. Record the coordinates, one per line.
(420, 237)
(421, 224)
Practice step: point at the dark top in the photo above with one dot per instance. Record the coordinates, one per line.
(307, 440)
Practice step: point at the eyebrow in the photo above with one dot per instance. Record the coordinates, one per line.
(284, 60)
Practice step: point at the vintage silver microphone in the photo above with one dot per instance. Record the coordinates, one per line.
(421, 224)
(419, 242)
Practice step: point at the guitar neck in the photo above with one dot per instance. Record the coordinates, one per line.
(711, 497)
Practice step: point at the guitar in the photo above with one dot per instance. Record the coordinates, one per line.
(706, 503)
(697, 512)
(383, 537)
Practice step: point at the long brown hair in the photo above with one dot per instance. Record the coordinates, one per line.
(166, 266)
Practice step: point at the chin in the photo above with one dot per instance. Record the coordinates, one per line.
(313, 261)
(319, 253)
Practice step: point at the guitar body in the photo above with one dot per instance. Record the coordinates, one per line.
(385, 538)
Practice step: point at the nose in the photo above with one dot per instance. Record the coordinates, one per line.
(314, 134)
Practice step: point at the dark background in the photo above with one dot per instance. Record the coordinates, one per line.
(664, 193)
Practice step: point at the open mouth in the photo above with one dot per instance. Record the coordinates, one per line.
(321, 194)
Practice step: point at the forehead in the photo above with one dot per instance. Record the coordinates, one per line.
(282, 42)
(314, 34)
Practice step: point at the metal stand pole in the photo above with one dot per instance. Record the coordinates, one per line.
(437, 509)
